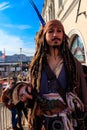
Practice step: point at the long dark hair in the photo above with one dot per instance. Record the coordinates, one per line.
(40, 59)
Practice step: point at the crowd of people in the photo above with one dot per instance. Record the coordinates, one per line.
(55, 95)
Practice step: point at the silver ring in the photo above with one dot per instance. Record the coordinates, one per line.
(55, 123)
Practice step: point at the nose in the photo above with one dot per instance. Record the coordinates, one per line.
(55, 33)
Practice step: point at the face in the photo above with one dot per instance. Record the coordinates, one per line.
(22, 94)
(54, 36)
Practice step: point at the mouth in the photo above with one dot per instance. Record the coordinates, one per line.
(56, 39)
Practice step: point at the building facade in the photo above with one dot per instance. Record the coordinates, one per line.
(73, 15)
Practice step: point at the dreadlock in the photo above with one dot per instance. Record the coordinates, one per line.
(36, 64)
(40, 58)
(69, 62)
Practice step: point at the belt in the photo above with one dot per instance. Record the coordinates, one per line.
(52, 108)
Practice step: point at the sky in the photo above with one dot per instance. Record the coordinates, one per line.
(18, 26)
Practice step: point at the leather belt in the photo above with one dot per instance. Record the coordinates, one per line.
(52, 108)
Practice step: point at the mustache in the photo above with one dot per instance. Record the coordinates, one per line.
(56, 38)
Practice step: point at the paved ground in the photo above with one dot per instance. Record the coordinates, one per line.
(25, 126)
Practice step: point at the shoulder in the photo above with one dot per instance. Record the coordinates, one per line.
(5, 96)
(5, 93)
(78, 63)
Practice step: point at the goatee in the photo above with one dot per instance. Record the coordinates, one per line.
(56, 46)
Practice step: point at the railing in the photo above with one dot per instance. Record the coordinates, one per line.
(5, 118)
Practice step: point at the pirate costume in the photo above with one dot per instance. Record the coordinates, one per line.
(58, 95)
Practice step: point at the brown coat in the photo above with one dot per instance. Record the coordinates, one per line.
(82, 87)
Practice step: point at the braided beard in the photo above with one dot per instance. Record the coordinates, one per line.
(56, 47)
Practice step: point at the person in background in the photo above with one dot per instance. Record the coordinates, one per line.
(1, 89)
(19, 105)
(7, 100)
(57, 87)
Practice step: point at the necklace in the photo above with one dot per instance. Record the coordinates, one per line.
(53, 58)
(53, 62)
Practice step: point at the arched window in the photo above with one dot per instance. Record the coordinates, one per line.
(77, 49)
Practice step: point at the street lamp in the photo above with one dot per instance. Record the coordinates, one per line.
(21, 58)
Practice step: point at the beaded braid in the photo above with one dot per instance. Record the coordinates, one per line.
(36, 71)
(36, 64)
(69, 62)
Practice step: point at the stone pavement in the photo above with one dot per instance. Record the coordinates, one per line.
(25, 128)
(5, 119)
(25, 125)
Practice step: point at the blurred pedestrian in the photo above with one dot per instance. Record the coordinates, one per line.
(7, 100)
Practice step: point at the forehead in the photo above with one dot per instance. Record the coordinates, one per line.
(54, 27)
(51, 25)
(54, 24)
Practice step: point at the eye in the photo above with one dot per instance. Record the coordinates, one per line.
(50, 31)
(59, 30)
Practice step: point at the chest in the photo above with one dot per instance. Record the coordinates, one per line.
(51, 85)
(54, 63)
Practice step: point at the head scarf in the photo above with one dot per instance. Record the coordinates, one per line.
(53, 23)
